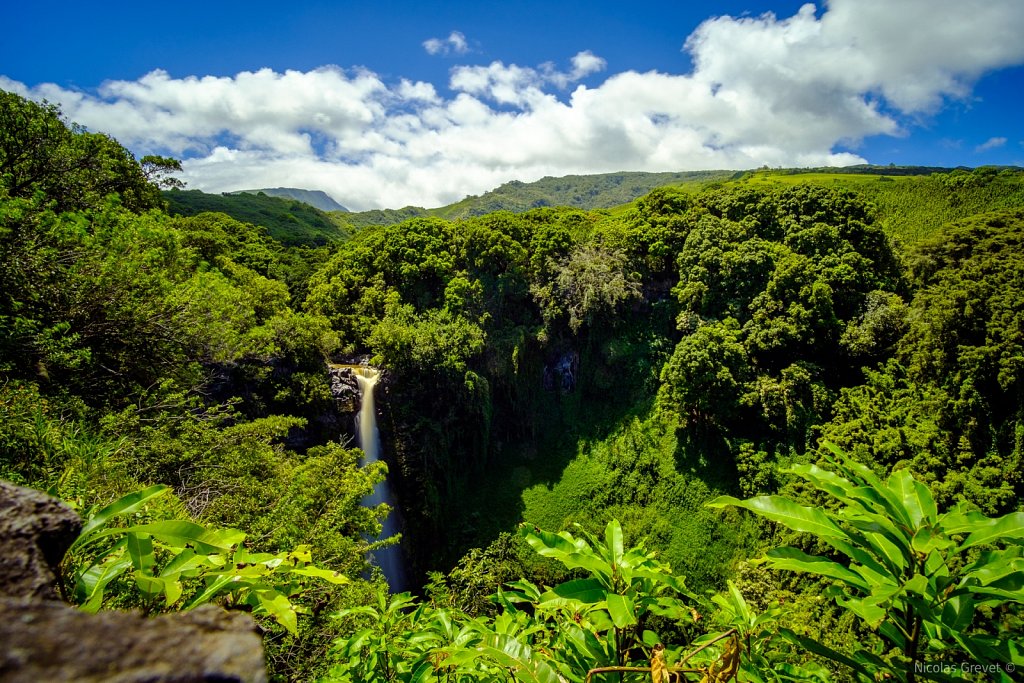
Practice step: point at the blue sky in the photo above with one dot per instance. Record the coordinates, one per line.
(394, 103)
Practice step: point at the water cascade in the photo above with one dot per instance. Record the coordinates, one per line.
(389, 559)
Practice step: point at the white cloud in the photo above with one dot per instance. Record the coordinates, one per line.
(991, 143)
(764, 90)
(455, 43)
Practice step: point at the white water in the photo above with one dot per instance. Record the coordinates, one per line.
(388, 559)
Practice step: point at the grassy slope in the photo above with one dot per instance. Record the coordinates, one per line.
(912, 207)
(290, 222)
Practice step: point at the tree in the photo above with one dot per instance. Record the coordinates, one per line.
(158, 170)
(705, 376)
(594, 282)
(75, 169)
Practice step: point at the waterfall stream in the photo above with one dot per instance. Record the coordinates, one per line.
(389, 559)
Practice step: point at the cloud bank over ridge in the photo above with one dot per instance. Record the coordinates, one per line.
(763, 90)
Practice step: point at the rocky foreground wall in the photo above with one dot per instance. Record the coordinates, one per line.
(43, 639)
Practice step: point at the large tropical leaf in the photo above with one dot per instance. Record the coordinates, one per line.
(517, 657)
(122, 506)
(786, 512)
(613, 540)
(588, 591)
(797, 560)
(622, 610)
(184, 534)
(1006, 528)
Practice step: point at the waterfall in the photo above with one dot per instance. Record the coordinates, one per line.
(388, 559)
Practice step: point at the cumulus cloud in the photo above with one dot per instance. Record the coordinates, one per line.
(991, 143)
(455, 43)
(787, 91)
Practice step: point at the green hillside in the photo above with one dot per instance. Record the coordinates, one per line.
(290, 222)
(911, 202)
(910, 199)
(598, 191)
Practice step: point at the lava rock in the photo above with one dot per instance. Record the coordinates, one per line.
(35, 532)
(48, 641)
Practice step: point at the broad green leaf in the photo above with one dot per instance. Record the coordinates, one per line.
(319, 573)
(928, 539)
(622, 610)
(676, 583)
(885, 496)
(187, 561)
(589, 644)
(817, 648)
(958, 612)
(601, 620)
(549, 544)
(280, 608)
(172, 591)
(587, 591)
(140, 550)
(890, 631)
(212, 589)
(517, 657)
(799, 561)
(863, 562)
(423, 672)
(92, 582)
(150, 586)
(123, 506)
(871, 522)
(185, 534)
(1010, 586)
(302, 554)
(613, 539)
(826, 480)
(919, 585)
(867, 610)
(889, 552)
(916, 499)
(787, 513)
(587, 561)
(961, 519)
(1006, 528)
(739, 604)
(993, 565)
(527, 589)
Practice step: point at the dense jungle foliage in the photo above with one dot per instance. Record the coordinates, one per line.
(575, 406)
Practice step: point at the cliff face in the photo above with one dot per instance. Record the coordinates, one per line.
(43, 639)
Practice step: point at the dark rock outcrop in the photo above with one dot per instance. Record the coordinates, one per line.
(42, 639)
(345, 389)
(35, 531)
(561, 372)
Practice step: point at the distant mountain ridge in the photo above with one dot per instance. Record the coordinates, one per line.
(315, 198)
(597, 191)
(296, 221)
